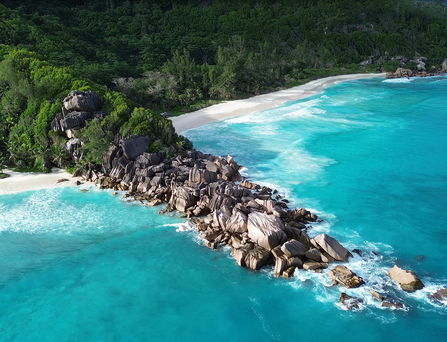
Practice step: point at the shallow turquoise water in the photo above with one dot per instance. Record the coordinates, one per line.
(368, 156)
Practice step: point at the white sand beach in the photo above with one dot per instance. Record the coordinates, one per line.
(18, 182)
(259, 103)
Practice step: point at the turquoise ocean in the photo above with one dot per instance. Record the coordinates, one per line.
(368, 156)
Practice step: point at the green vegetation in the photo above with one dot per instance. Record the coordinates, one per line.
(182, 55)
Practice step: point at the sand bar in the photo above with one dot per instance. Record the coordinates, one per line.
(18, 182)
(259, 103)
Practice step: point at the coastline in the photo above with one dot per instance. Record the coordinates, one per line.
(256, 104)
(20, 182)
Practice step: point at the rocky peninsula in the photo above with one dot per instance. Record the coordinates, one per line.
(227, 210)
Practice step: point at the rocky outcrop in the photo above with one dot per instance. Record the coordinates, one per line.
(261, 230)
(407, 279)
(440, 295)
(345, 277)
(135, 146)
(88, 101)
(400, 72)
(332, 247)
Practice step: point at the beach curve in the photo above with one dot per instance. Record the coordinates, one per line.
(259, 103)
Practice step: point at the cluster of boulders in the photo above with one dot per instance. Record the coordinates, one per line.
(254, 221)
(407, 73)
(79, 107)
(421, 71)
(404, 70)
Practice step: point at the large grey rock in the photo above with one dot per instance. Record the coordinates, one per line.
(407, 279)
(240, 253)
(210, 166)
(344, 276)
(293, 248)
(257, 257)
(56, 123)
(88, 101)
(218, 201)
(182, 198)
(313, 254)
(221, 219)
(266, 230)
(444, 65)
(282, 263)
(109, 156)
(332, 247)
(75, 120)
(237, 223)
(135, 146)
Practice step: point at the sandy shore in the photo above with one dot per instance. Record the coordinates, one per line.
(18, 182)
(258, 103)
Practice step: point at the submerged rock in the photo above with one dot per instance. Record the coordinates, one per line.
(440, 295)
(376, 295)
(350, 302)
(407, 279)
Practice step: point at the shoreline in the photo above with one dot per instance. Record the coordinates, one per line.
(20, 182)
(259, 103)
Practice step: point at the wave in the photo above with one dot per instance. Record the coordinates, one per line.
(399, 80)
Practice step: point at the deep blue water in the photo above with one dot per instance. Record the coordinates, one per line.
(368, 156)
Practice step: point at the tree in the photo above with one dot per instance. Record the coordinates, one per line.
(96, 142)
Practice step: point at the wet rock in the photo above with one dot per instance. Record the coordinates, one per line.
(266, 230)
(376, 295)
(289, 272)
(392, 304)
(357, 251)
(350, 302)
(344, 276)
(257, 257)
(62, 180)
(407, 279)
(440, 295)
(240, 253)
(332, 247)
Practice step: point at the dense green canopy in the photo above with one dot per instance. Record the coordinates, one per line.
(164, 53)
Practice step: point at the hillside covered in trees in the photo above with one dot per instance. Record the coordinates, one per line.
(141, 56)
